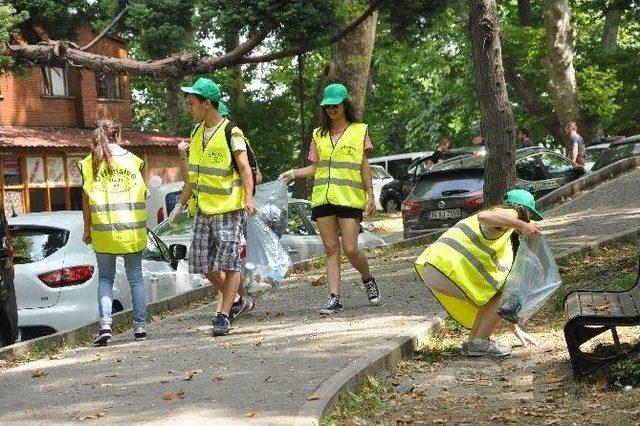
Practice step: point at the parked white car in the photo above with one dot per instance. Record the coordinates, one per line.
(161, 200)
(379, 177)
(56, 275)
(301, 238)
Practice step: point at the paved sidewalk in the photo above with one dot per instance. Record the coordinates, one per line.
(276, 357)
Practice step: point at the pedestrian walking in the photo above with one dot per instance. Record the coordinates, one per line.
(438, 154)
(219, 192)
(467, 266)
(342, 190)
(115, 217)
(576, 143)
(524, 138)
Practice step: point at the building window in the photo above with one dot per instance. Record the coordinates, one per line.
(109, 86)
(54, 81)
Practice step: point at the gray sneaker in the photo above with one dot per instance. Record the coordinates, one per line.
(482, 347)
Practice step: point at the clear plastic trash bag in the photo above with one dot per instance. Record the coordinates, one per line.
(534, 277)
(271, 201)
(267, 262)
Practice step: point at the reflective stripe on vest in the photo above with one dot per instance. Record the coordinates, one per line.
(216, 184)
(338, 177)
(477, 265)
(116, 204)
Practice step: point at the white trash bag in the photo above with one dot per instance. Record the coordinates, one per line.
(271, 201)
(267, 262)
(534, 277)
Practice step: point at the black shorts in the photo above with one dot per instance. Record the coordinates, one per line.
(342, 212)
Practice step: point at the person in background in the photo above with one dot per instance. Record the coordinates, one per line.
(576, 143)
(342, 190)
(523, 137)
(438, 154)
(467, 266)
(115, 221)
(219, 196)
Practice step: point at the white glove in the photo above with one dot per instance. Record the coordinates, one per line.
(288, 175)
(525, 338)
(179, 208)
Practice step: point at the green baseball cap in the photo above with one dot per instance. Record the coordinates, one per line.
(334, 94)
(524, 198)
(204, 87)
(223, 109)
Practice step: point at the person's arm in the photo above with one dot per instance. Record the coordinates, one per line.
(367, 184)
(242, 160)
(505, 218)
(574, 150)
(183, 161)
(86, 219)
(258, 175)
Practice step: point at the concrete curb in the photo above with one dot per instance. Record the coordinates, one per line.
(620, 237)
(375, 364)
(121, 320)
(588, 181)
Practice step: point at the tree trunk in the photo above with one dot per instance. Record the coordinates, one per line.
(498, 128)
(351, 60)
(238, 101)
(175, 104)
(525, 17)
(612, 23)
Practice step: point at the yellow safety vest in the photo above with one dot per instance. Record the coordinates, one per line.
(338, 179)
(216, 184)
(117, 204)
(476, 264)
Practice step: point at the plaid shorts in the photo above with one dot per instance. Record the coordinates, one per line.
(216, 242)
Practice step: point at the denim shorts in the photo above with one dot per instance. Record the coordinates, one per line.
(216, 242)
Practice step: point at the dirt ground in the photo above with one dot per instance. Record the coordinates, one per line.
(532, 386)
(384, 223)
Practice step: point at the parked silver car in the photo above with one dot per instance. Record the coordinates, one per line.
(301, 239)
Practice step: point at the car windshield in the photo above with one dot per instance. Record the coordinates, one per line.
(379, 173)
(35, 244)
(462, 162)
(593, 153)
(445, 184)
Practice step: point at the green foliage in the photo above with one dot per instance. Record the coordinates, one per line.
(626, 372)
(59, 18)
(367, 399)
(10, 18)
(598, 91)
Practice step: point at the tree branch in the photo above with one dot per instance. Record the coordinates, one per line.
(61, 52)
(106, 30)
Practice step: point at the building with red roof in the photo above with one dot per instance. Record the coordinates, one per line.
(47, 117)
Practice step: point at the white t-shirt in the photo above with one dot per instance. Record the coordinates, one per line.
(237, 141)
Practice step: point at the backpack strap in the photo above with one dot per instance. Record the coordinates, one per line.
(227, 135)
(195, 129)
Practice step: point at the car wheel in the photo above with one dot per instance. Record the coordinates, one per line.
(391, 205)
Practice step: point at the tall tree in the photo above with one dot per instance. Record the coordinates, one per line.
(614, 11)
(498, 128)
(525, 17)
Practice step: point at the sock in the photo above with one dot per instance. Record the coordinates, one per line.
(238, 303)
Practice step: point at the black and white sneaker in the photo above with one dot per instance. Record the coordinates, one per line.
(140, 333)
(241, 307)
(373, 292)
(104, 334)
(332, 306)
(221, 325)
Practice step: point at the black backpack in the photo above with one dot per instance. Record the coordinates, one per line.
(253, 161)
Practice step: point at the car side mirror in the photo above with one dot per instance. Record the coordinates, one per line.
(177, 252)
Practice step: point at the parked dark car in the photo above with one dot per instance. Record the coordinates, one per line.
(453, 190)
(619, 150)
(393, 193)
(8, 307)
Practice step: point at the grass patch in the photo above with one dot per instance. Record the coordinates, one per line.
(365, 401)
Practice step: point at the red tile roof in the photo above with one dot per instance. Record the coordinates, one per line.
(69, 137)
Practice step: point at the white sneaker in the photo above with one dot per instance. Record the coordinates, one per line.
(140, 333)
(482, 347)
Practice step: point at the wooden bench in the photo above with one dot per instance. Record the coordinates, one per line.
(591, 313)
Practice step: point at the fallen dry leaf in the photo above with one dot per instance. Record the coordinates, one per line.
(317, 281)
(92, 416)
(313, 397)
(38, 373)
(600, 308)
(55, 356)
(250, 415)
(164, 381)
(189, 376)
(180, 394)
(217, 378)
(167, 396)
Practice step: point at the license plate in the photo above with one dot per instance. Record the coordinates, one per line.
(445, 214)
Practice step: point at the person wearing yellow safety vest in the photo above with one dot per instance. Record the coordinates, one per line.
(218, 195)
(467, 266)
(342, 190)
(115, 221)
(239, 306)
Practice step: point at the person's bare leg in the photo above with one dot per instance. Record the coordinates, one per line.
(487, 319)
(230, 290)
(350, 230)
(328, 227)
